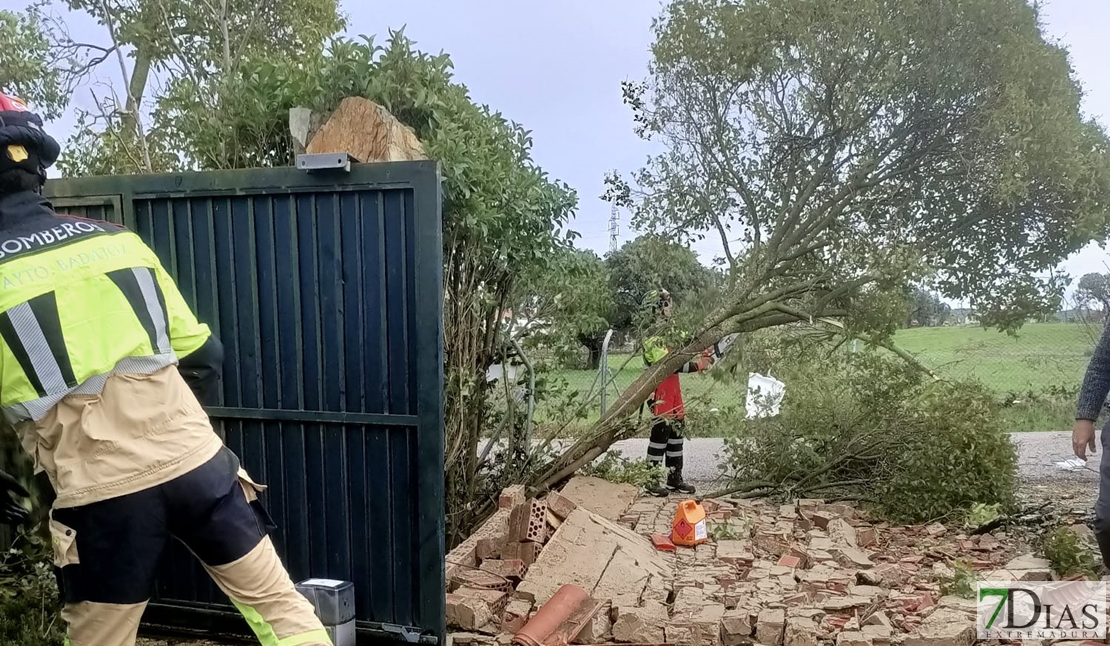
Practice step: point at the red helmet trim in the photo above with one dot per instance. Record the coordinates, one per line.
(12, 104)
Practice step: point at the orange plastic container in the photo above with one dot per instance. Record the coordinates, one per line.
(689, 527)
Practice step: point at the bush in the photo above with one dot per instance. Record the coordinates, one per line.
(1067, 554)
(29, 596)
(954, 453)
(870, 426)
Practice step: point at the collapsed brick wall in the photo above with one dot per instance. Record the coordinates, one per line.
(800, 574)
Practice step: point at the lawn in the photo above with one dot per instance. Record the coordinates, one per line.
(1022, 369)
(1041, 356)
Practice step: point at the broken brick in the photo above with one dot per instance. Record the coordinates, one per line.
(517, 613)
(525, 552)
(736, 628)
(866, 537)
(644, 625)
(789, 561)
(880, 634)
(512, 569)
(696, 626)
(735, 552)
(479, 580)
(943, 628)
(528, 522)
(496, 528)
(773, 542)
(854, 638)
(770, 626)
(559, 505)
(936, 530)
(496, 600)
(511, 497)
(597, 629)
(488, 548)
(662, 543)
(852, 558)
(466, 612)
(800, 631)
(820, 519)
(841, 533)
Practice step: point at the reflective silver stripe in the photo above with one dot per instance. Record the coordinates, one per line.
(30, 334)
(655, 458)
(657, 445)
(675, 441)
(157, 314)
(38, 408)
(674, 454)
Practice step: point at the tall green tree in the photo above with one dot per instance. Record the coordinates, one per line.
(651, 263)
(1094, 288)
(840, 149)
(28, 69)
(925, 308)
(193, 46)
(565, 305)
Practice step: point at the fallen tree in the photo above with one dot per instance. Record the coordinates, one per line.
(842, 151)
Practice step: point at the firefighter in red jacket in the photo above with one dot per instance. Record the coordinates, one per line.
(668, 411)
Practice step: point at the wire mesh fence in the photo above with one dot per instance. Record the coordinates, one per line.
(1036, 373)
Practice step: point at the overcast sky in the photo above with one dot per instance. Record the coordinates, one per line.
(556, 67)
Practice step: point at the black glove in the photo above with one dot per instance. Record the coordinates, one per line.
(11, 512)
(201, 370)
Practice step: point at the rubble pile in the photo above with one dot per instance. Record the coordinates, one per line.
(802, 574)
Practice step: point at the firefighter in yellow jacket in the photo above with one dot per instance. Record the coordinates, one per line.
(101, 366)
(666, 442)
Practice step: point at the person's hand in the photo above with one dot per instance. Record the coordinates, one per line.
(11, 512)
(1083, 438)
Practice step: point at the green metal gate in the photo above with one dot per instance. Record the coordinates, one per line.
(326, 290)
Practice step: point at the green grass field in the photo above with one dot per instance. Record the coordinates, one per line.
(1022, 369)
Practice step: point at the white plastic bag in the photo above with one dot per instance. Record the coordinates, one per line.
(765, 395)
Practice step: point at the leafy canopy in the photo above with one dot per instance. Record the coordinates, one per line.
(1094, 287)
(27, 68)
(191, 47)
(840, 148)
(650, 263)
(565, 302)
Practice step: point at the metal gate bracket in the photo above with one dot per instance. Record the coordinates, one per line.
(325, 161)
(407, 634)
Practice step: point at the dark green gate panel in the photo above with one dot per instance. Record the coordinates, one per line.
(326, 291)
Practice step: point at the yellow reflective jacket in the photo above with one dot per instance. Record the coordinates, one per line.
(92, 328)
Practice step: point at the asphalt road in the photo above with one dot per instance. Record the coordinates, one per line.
(1038, 454)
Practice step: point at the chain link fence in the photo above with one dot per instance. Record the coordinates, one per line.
(1036, 373)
